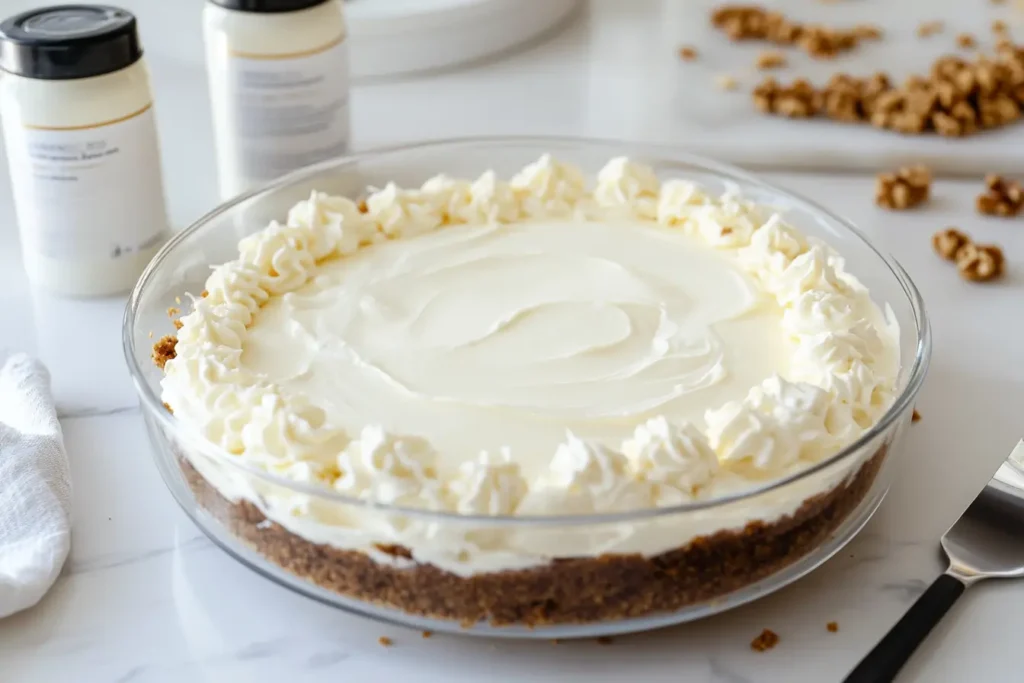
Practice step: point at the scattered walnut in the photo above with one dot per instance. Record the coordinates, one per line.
(426, 634)
(605, 640)
(765, 641)
(832, 626)
(799, 100)
(948, 242)
(1001, 197)
(687, 53)
(980, 262)
(904, 189)
(771, 59)
(385, 641)
(915, 416)
(173, 311)
(750, 22)
(177, 324)
(957, 97)
(725, 82)
(966, 41)
(929, 28)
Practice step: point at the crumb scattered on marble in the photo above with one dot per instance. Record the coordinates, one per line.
(929, 28)
(832, 626)
(605, 640)
(555, 641)
(687, 53)
(385, 641)
(151, 334)
(726, 82)
(177, 300)
(916, 417)
(427, 634)
(173, 311)
(966, 41)
(765, 641)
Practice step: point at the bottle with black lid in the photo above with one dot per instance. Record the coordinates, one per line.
(279, 85)
(82, 147)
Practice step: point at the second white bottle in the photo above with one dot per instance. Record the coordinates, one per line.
(279, 84)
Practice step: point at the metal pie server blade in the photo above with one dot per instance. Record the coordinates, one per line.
(986, 542)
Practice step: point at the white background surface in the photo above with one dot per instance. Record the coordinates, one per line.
(146, 598)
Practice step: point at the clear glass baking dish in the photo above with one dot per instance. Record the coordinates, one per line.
(730, 550)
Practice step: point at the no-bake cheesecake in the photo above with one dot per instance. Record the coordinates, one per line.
(572, 356)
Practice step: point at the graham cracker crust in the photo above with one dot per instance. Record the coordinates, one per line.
(568, 590)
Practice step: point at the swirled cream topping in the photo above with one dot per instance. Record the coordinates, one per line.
(530, 347)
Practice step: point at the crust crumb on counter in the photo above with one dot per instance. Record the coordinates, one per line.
(385, 641)
(726, 82)
(765, 641)
(687, 53)
(833, 626)
(929, 28)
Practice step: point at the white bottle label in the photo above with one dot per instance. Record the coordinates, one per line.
(281, 112)
(88, 193)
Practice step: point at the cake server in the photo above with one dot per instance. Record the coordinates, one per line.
(986, 542)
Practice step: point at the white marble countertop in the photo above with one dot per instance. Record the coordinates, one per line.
(146, 598)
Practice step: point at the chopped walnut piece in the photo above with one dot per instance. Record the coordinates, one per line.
(948, 242)
(904, 189)
(929, 28)
(385, 641)
(799, 100)
(966, 41)
(771, 59)
(687, 53)
(980, 262)
(915, 416)
(832, 626)
(426, 634)
(765, 641)
(1001, 197)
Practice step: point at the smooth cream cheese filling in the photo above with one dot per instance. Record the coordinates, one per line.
(530, 347)
(491, 337)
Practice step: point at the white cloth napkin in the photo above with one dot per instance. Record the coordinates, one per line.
(35, 489)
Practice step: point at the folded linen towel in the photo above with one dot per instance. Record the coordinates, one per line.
(35, 486)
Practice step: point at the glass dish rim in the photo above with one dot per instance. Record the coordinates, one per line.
(151, 402)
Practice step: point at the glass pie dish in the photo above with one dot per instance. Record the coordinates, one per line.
(726, 550)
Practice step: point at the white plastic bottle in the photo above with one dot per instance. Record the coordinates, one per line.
(82, 147)
(279, 84)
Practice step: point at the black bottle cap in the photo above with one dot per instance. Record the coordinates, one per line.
(267, 6)
(69, 41)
